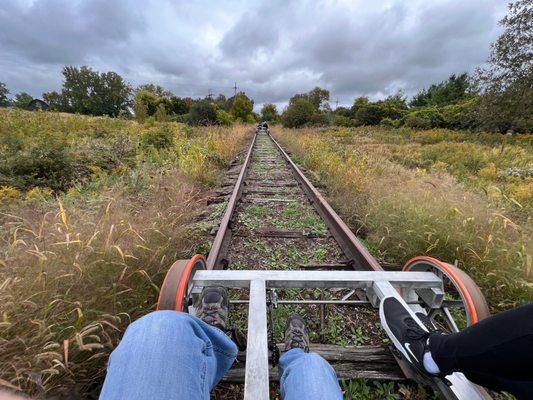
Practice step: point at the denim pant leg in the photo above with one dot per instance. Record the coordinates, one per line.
(307, 376)
(168, 355)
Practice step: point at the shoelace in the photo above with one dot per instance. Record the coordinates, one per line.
(414, 331)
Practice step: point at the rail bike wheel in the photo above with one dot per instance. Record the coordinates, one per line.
(464, 304)
(174, 293)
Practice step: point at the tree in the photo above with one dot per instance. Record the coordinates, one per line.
(298, 113)
(140, 111)
(161, 113)
(55, 101)
(158, 90)
(269, 112)
(506, 84)
(202, 113)
(150, 101)
(22, 100)
(4, 91)
(317, 97)
(87, 92)
(178, 106)
(454, 89)
(242, 107)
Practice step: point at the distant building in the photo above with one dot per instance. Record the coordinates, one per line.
(37, 104)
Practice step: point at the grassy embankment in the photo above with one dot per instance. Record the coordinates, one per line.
(452, 195)
(92, 212)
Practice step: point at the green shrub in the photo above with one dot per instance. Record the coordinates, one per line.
(319, 119)
(425, 118)
(203, 113)
(391, 123)
(297, 114)
(341, 120)
(224, 118)
(160, 138)
(45, 161)
(459, 116)
(369, 114)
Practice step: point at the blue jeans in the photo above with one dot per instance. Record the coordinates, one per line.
(169, 355)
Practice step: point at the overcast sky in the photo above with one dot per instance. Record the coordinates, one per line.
(271, 48)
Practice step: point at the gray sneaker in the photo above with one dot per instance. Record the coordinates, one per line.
(213, 306)
(296, 335)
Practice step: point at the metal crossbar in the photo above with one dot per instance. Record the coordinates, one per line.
(378, 285)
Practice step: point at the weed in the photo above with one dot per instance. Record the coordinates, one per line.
(418, 192)
(79, 266)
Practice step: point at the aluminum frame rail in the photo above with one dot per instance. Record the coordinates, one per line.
(379, 284)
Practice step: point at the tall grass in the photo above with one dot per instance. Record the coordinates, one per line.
(76, 267)
(403, 210)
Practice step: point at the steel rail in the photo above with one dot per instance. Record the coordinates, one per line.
(357, 253)
(215, 258)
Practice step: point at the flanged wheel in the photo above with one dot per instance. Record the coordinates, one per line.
(175, 290)
(463, 304)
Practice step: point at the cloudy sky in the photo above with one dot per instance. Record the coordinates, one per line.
(271, 48)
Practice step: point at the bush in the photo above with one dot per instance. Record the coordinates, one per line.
(183, 118)
(369, 114)
(459, 116)
(319, 119)
(224, 118)
(297, 114)
(160, 138)
(202, 113)
(391, 123)
(8, 194)
(341, 120)
(425, 118)
(44, 161)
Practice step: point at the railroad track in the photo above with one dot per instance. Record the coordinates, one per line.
(275, 219)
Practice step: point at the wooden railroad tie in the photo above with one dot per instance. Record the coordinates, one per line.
(349, 362)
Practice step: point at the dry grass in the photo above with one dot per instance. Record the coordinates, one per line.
(76, 269)
(401, 212)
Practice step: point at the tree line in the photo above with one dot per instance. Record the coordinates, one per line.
(497, 97)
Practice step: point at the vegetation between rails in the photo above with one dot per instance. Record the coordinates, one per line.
(404, 203)
(81, 259)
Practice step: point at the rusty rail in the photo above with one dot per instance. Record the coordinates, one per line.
(215, 259)
(358, 255)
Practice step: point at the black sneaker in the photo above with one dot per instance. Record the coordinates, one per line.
(213, 306)
(428, 324)
(409, 336)
(296, 335)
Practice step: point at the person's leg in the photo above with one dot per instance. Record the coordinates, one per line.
(495, 352)
(307, 376)
(304, 375)
(168, 355)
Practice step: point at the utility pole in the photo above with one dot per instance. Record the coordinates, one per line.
(336, 104)
(210, 95)
(235, 89)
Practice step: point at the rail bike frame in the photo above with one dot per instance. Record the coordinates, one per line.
(377, 285)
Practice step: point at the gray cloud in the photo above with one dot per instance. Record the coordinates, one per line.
(273, 49)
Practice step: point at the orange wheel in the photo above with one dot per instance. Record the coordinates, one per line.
(459, 290)
(175, 290)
